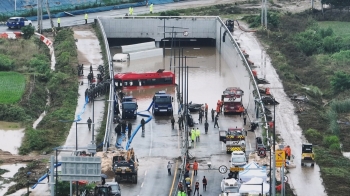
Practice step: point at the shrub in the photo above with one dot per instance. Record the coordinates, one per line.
(326, 32)
(331, 44)
(40, 63)
(6, 63)
(313, 135)
(340, 81)
(36, 140)
(342, 57)
(308, 42)
(170, 13)
(28, 32)
(330, 140)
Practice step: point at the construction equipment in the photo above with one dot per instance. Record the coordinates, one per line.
(123, 163)
(234, 138)
(125, 167)
(232, 100)
(307, 155)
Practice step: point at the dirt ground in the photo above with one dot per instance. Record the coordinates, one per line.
(8, 158)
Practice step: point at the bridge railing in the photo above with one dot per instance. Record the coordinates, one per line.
(246, 64)
(110, 108)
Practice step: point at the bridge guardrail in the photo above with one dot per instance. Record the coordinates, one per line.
(110, 113)
(245, 62)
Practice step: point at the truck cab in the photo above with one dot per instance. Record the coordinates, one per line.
(129, 107)
(162, 104)
(232, 100)
(234, 138)
(238, 158)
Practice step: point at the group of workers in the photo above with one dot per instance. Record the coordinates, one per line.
(181, 187)
(195, 134)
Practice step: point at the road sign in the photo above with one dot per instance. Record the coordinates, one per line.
(223, 169)
(185, 33)
(76, 168)
(235, 169)
(280, 157)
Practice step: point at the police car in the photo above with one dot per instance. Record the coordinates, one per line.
(18, 22)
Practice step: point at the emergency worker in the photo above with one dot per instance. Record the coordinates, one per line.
(267, 91)
(240, 110)
(86, 18)
(206, 126)
(172, 122)
(212, 114)
(58, 22)
(255, 73)
(193, 135)
(188, 181)
(180, 122)
(198, 133)
(218, 106)
(288, 151)
(189, 190)
(196, 188)
(143, 122)
(200, 116)
(195, 167)
(151, 8)
(244, 118)
(216, 121)
(89, 121)
(180, 187)
(188, 166)
(205, 182)
(130, 11)
(129, 129)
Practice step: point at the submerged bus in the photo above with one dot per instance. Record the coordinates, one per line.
(135, 80)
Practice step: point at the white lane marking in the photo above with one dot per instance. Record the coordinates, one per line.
(145, 172)
(142, 185)
(150, 148)
(250, 146)
(196, 48)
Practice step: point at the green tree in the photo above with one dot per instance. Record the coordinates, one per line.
(28, 32)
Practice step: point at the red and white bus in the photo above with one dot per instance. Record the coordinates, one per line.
(135, 80)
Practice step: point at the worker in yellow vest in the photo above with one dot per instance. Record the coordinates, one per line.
(130, 11)
(58, 22)
(86, 17)
(151, 8)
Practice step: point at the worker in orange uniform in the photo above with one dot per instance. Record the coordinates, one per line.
(255, 73)
(188, 166)
(267, 91)
(195, 167)
(288, 151)
(218, 105)
(241, 110)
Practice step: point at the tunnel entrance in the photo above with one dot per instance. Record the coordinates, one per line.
(166, 42)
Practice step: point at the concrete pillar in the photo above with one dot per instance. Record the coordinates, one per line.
(157, 44)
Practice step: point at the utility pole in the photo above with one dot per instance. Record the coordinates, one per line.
(48, 12)
(40, 15)
(312, 5)
(273, 175)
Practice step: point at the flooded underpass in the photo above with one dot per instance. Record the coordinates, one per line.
(162, 144)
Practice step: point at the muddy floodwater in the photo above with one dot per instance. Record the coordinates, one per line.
(12, 170)
(11, 140)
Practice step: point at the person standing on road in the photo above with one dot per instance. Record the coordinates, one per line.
(288, 151)
(169, 168)
(129, 11)
(244, 118)
(132, 11)
(206, 126)
(195, 167)
(86, 18)
(188, 181)
(218, 105)
(198, 134)
(89, 121)
(216, 121)
(172, 122)
(48, 173)
(58, 22)
(212, 114)
(129, 129)
(193, 135)
(200, 116)
(189, 190)
(196, 188)
(143, 122)
(151, 8)
(205, 182)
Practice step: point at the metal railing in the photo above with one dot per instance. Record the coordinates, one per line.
(110, 113)
(246, 64)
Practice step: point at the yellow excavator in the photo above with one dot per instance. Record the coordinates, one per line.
(307, 156)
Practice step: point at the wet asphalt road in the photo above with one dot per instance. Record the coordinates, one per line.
(286, 119)
(162, 144)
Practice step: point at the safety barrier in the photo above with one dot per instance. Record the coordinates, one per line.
(11, 35)
(110, 107)
(246, 64)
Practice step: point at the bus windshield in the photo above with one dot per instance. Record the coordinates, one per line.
(162, 100)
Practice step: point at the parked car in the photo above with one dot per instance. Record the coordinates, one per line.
(18, 22)
(115, 188)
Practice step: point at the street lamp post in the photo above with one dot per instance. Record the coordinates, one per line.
(274, 149)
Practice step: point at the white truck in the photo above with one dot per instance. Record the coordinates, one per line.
(230, 187)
